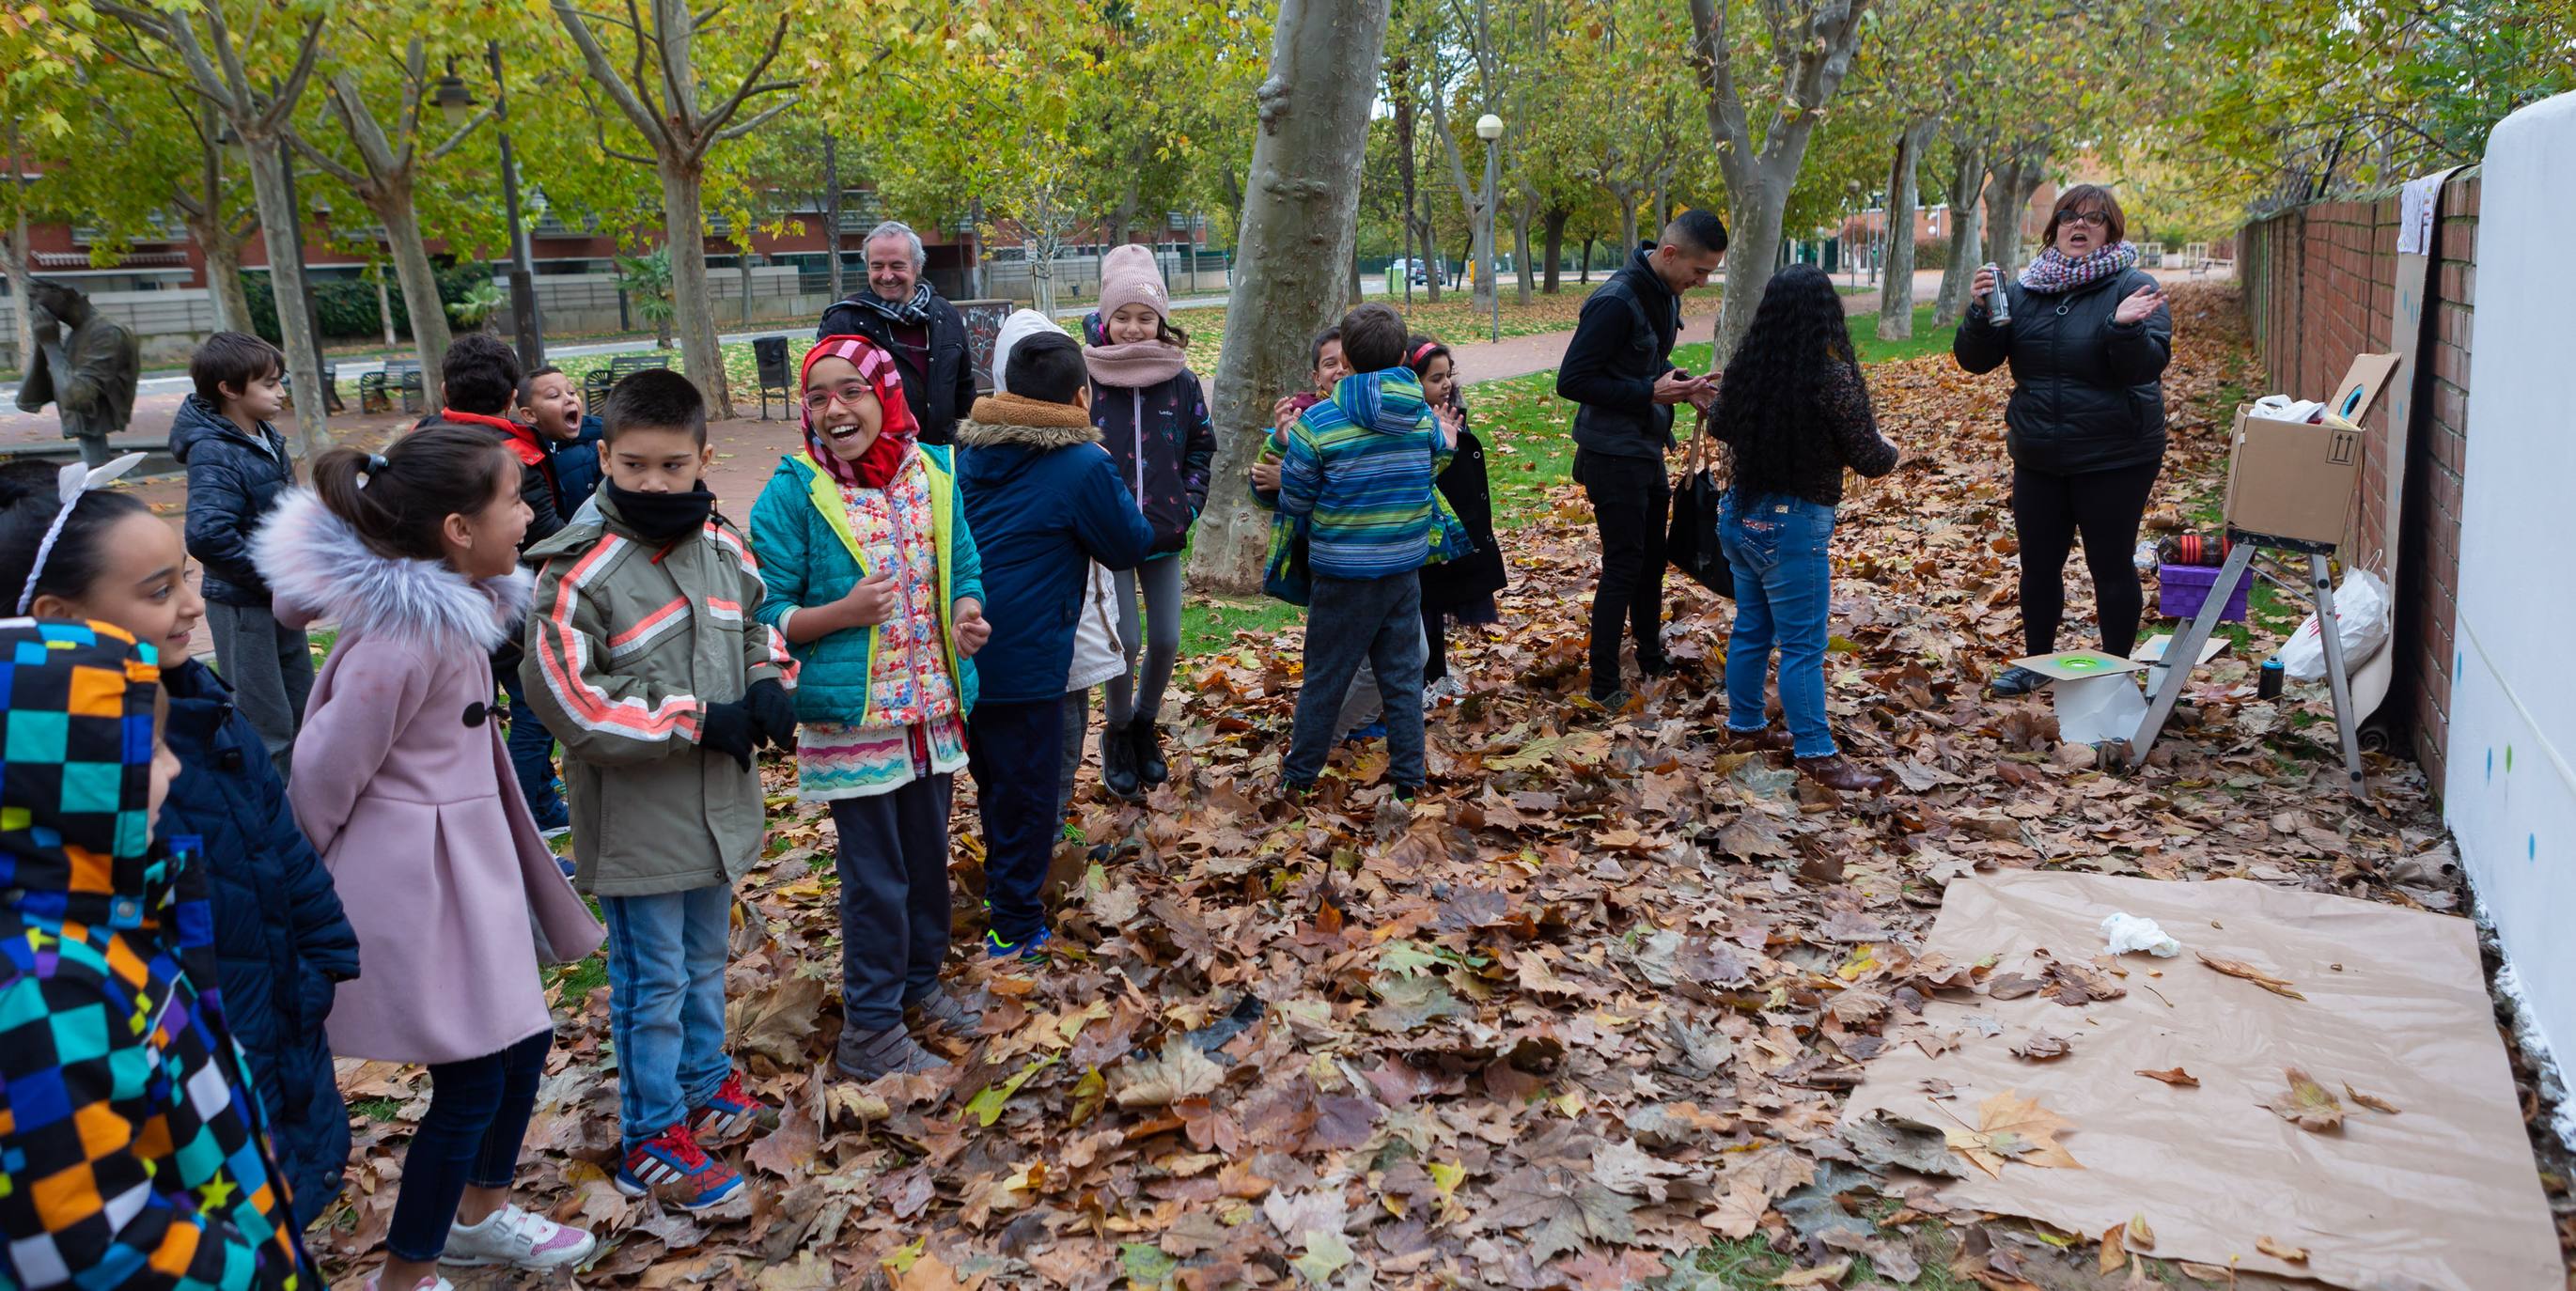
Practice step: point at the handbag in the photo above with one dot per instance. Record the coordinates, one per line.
(1692, 545)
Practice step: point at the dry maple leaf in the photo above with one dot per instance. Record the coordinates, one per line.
(2372, 1101)
(2012, 1128)
(2308, 1105)
(1181, 1071)
(1830, 1273)
(2172, 1076)
(2281, 1250)
(2041, 1046)
(2239, 968)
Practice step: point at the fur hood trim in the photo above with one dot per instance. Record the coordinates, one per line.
(1043, 439)
(313, 560)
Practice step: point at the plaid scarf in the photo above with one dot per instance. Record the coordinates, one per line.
(915, 310)
(896, 430)
(2052, 272)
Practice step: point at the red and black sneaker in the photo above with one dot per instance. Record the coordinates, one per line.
(732, 1114)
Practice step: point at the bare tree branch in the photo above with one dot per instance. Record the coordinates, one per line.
(599, 122)
(330, 165)
(647, 122)
(731, 133)
(711, 127)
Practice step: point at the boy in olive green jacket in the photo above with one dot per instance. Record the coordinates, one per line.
(644, 660)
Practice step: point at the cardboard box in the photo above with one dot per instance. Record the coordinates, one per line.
(2293, 484)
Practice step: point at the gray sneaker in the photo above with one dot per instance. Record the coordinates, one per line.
(944, 1009)
(865, 1055)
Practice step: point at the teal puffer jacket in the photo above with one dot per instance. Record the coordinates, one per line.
(801, 535)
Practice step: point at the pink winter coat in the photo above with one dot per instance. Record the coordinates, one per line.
(402, 782)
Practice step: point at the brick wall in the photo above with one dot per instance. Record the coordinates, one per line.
(2320, 283)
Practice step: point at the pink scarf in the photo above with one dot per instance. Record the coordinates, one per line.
(1135, 365)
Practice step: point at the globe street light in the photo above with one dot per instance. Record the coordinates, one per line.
(1490, 129)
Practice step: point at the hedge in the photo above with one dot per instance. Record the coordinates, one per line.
(347, 306)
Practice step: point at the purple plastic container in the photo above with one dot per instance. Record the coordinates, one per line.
(2181, 589)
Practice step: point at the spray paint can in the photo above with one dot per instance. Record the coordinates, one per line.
(1998, 305)
(2267, 683)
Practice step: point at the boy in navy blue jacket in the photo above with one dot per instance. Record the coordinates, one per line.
(1043, 499)
(237, 465)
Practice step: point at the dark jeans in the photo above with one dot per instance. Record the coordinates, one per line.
(478, 1112)
(1435, 644)
(532, 756)
(1349, 620)
(2049, 510)
(1012, 750)
(894, 899)
(1632, 503)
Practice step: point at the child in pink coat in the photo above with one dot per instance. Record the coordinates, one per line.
(408, 794)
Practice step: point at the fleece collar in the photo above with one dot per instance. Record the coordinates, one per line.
(313, 560)
(1001, 419)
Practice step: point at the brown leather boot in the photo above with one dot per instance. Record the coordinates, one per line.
(1770, 739)
(1840, 773)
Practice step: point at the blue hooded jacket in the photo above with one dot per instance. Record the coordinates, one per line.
(1043, 499)
(281, 941)
(233, 479)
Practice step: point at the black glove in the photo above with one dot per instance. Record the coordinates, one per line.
(728, 730)
(773, 711)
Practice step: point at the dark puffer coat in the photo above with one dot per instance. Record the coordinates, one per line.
(281, 943)
(233, 479)
(2087, 392)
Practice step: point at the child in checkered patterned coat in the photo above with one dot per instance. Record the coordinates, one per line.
(132, 1150)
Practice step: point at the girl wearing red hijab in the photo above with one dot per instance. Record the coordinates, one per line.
(873, 579)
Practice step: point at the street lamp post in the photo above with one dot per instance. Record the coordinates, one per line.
(457, 103)
(1490, 129)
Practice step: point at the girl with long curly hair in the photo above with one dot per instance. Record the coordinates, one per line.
(1793, 412)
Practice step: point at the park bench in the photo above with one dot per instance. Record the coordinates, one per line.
(595, 386)
(376, 390)
(330, 388)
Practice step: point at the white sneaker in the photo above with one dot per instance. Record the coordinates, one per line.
(425, 1284)
(516, 1238)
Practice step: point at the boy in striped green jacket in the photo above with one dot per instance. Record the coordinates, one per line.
(1359, 466)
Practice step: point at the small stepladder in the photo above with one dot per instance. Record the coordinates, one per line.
(2181, 653)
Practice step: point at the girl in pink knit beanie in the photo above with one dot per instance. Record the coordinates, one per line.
(1153, 418)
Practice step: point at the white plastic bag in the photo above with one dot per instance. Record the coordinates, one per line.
(2095, 710)
(2361, 614)
(2125, 932)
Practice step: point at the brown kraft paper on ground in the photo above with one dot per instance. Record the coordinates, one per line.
(2444, 1194)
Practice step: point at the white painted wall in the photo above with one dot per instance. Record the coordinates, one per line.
(2511, 796)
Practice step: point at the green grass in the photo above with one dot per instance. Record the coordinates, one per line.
(377, 1109)
(1746, 1265)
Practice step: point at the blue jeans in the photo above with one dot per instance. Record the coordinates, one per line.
(1783, 582)
(532, 756)
(478, 1112)
(666, 1004)
(1349, 620)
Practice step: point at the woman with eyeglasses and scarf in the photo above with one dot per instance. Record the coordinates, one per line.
(2088, 337)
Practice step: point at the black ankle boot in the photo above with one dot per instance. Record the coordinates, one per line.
(1145, 738)
(1118, 763)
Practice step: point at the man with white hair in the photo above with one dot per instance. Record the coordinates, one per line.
(906, 318)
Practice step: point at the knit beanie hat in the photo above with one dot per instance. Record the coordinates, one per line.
(1129, 276)
(1021, 325)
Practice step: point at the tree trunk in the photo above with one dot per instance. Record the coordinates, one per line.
(1433, 265)
(384, 301)
(13, 260)
(831, 216)
(693, 312)
(1753, 249)
(223, 275)
(1300, 221)
(1967, 170)
(421, 306)
(277, 219)
(1896, 286)
(1627, 221)
(1588, 240)
(1555, 226)
(2007, 196)
(1521, 254)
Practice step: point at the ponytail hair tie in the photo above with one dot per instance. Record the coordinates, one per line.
(376, 462)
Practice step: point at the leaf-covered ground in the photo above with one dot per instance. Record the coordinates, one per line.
(1583, 1017)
